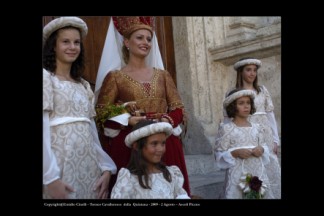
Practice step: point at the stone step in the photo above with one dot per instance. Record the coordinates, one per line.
(200, 164)
(206, 179)
(207, 186)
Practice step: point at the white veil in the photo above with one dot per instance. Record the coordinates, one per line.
(112, 57)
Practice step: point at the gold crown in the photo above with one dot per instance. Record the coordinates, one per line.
(126, 25)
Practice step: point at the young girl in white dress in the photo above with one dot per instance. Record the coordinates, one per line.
(241, 147)
(146, 177)
(247, 78)
(74, 164)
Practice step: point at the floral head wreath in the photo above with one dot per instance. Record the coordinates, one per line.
(249, 61)
(126, 25)
(229, 99)
(112, 57)
(148, 130)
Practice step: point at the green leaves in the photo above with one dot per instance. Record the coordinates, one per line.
(252, 187)
(252, 195)
(108, 111)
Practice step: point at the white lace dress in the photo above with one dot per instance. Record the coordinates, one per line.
(71, 148)
(230, 138)
(264, 116)
(127, 186)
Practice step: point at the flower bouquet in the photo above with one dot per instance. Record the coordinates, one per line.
(252, 187)
(114, 112)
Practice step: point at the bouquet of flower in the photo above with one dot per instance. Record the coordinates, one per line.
(252, 187)
(108, 111)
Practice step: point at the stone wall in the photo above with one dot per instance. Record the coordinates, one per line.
(205, 50)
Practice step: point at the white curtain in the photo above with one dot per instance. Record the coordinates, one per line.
(112, 57)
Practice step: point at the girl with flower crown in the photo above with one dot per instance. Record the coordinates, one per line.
(241, 148)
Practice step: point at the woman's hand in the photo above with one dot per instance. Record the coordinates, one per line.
(130, 107)
(102, 185)
(59, 190)
(165, 120)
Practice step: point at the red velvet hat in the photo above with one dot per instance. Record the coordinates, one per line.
(126, 25)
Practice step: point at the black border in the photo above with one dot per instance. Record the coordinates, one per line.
(30, 141)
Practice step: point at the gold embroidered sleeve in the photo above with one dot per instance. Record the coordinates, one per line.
(108, 91)
(173, 97)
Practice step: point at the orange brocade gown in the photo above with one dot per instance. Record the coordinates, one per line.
(158, 96)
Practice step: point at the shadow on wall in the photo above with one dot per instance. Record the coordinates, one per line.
(195, 141)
